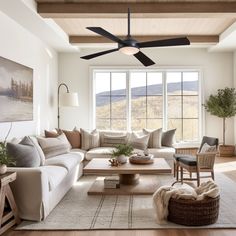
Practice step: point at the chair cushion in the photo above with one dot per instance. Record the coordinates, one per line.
(190, 161)
(177, 157)
(55, 175)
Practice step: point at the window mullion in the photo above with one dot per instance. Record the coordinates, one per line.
(165, 102)
(128, 101)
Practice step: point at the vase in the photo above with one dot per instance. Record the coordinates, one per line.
(3, 169)
(122, 159)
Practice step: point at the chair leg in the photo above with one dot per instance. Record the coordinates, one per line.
(198, 178)
(174, 169)
(212, 175)
(181, 174)
(177, 172)
(190, 175)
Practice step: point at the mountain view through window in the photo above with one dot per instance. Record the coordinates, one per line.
(133, 100)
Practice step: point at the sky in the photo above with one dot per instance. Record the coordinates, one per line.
(138, 79)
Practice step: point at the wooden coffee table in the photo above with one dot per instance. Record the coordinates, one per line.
(129, 174)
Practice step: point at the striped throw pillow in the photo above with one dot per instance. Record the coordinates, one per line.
(54, 146)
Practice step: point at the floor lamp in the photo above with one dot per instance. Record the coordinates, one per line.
(66, 99)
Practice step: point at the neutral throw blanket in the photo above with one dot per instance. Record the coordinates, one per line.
(162, 196)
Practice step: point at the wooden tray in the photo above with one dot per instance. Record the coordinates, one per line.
(140, 161)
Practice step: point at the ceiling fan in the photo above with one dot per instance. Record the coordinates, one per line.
(130, 46)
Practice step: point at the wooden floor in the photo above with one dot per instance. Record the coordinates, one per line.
(224, 165)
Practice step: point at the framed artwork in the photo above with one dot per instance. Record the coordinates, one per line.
(16, 91)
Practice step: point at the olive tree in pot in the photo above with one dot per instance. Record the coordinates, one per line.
(223, 105)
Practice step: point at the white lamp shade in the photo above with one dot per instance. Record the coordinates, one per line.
(69, 100)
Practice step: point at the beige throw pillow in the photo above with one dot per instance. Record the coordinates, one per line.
(54, 146)
(207, 148)
(89, 139)
(154, 137)
(139, 142)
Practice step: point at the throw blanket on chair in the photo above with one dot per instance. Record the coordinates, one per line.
(162, 196)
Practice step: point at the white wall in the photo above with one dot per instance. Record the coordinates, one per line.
(19, 45)
(217, 73)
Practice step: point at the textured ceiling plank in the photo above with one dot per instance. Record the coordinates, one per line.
(64, 10)
(211, 39)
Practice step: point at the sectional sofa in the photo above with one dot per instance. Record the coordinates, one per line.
(37, 190)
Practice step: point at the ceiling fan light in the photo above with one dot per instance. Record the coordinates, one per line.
(128, 50)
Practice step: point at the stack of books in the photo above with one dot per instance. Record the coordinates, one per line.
(111, 182)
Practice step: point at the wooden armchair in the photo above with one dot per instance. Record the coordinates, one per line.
(201, 162)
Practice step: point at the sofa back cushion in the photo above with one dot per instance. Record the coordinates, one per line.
(139, 142)
(54, 146)
(73, 136)
(168, 138)
(154, 137)
(89, 139)
(51, 134)
(112, 138)
(24, 153)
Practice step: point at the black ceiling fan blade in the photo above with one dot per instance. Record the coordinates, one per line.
(105, 33)
(88, 57)
(165, 42)
(146, 61)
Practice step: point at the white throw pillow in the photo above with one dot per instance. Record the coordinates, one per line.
(207, 148)
(89, 139)
(154, 137)
(139, 142)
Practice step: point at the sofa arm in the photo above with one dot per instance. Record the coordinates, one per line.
(30, 190)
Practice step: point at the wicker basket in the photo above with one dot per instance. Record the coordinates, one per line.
(192, 212)
(226, 150)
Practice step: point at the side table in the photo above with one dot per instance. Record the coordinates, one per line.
(8, 209)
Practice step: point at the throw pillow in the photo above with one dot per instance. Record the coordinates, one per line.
(207, 148)
(112, 141)
(167, 138)
(54, 146)
(51, 134)
(139, 142)
(74, 137)
(154, 137)
(24, 153)
(89, 139)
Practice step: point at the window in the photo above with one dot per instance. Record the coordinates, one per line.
(136, 99)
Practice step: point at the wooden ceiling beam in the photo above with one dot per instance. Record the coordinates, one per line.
(201, 39)
(138, 9)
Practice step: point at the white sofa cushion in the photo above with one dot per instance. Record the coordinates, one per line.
(164, 152)
(99, 152)
(89, 139)
(154, 137)
(68, 161)
(79, 151)
(109, 138)
(55, 175)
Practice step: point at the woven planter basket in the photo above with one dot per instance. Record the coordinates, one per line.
(226, 150)
(192, 212)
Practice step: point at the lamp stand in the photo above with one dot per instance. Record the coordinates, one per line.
(58, 100)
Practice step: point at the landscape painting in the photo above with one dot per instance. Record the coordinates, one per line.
(16, 91)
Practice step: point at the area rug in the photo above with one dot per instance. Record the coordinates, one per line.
(78, 211)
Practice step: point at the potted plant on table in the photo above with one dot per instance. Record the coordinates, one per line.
(5, 159)
(122, 152)
(223, 105)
